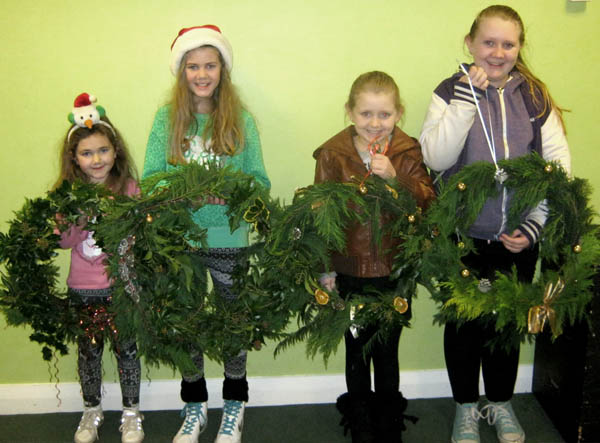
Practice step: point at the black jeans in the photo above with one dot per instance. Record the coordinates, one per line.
(465, 347)
(383, 353)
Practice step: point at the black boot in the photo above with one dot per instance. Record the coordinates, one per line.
(357, 416)
(389, 417)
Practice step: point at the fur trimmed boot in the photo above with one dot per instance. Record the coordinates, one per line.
(389, 417)
(357, 416)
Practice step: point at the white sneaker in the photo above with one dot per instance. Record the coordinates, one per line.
(232, 422)
(194, 423)
(131, 425)
(87, 431)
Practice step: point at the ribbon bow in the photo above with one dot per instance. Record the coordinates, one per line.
(538, 315)
(374, 148)
(258, 215)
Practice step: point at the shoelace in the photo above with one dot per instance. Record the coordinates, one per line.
(493, 413)
(469, 420)
(192, 415)
(231, 410)
(131, 421)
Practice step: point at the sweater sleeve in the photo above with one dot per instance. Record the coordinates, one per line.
(253, 159)
(72, 237)
(554, 148)
(156, 149)
(446, 126)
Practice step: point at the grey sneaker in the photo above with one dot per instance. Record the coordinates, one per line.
(502, 416)
(466, 423)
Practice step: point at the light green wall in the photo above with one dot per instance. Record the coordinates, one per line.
(294, 63)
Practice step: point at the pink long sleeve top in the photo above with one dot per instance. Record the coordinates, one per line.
(88, 270)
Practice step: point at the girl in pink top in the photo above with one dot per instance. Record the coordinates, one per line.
(94, 152)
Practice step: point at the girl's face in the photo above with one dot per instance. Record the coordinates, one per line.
(374, 116)
(202, 72)
(95, 155)
(495, 48)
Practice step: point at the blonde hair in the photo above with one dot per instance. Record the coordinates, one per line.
(538, 89)
(122, 171)
(377, 82)
(224, 125)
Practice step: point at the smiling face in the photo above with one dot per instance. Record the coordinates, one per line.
(374, 115)
(95, 156)
(495, 48)
(202, 72)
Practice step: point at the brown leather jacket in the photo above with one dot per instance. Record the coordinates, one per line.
(338, 161)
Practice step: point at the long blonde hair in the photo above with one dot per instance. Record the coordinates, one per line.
(122, 171)
(224, 128)
(536, 86)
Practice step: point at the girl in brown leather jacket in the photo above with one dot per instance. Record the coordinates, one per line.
(374, 106)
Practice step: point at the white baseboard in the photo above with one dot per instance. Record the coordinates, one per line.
(43, 398)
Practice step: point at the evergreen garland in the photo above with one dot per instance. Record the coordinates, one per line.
(569, 247)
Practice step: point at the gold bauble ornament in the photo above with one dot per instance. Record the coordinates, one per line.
(461, 245)
(548, 168)
(411, 218)
(465, 273)
(461, 186)
(577, 249)
(392, 191)
(316, 205)
(400, 304)
(321, 296)
(435, 232)
(149, 218)
(363, 189)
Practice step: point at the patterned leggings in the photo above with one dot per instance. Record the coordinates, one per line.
(221, 263)
(89, 361)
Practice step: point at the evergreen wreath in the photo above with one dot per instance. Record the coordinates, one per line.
(160, 291)
(161, 294)
(28, 293)
(297, 251)
(569, 249)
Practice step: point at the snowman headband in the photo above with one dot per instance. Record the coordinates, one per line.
(85, 114)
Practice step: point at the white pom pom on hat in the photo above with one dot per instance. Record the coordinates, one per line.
(196, 36)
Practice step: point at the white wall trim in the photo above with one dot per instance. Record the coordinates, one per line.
(42, 398)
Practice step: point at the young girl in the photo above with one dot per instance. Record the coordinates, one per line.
(375, 108)
(205, 122)
(520, 117)
(94, 152)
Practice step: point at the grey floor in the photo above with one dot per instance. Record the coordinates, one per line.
(283, 424)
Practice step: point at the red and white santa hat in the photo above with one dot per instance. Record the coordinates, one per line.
(196, 36)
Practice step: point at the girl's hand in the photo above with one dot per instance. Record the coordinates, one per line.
(478, 76)
(208, 200)
(211, 200)
(515, 242)
(382, 166)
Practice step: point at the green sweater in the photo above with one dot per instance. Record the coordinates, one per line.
(211, 217)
